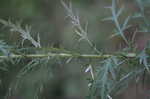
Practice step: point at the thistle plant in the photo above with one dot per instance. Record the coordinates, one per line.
(111, 74)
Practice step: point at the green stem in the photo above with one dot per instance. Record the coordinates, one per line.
(66, 55)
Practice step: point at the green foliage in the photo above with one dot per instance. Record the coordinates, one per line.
(109, 74)
(115, 15)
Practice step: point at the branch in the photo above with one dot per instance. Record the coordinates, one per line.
(66, 55)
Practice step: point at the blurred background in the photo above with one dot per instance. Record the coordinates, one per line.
(48, 18)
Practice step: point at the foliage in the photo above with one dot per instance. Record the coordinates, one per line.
(112, 73)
